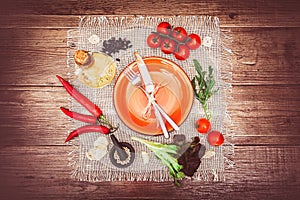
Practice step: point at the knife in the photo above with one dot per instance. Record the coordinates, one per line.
(149, 87)
(165, 115)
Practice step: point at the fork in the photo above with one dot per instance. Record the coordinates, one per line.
(135, 80)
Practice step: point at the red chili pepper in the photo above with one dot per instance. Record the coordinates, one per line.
(79, 117)
(87, 129)
(85, 102)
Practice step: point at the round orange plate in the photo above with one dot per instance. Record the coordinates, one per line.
(175, 95)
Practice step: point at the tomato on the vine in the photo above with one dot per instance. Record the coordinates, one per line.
(182, 52)
(215, 138)
(179, 34)
(175, 41)
(154, 40)
(164, 28)
(168, 46)
(193, 41)
(203, 125)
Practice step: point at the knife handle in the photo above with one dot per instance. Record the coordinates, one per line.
(165, 115)
(161, 122)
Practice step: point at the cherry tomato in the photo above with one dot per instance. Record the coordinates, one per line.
(168, 46)
(164, 28)
(203, 125)
(215, 138)
(179, 34)
(154, 40)
(193, 41)
(182, 52)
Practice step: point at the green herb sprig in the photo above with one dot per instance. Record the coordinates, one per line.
(166, 153)
(203, 87)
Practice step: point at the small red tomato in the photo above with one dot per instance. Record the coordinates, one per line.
(193, 41)
(168, 46)
(215, 138)
(154, 40)
(164, 28)
(179, 34)
(203, 125)
(182, 52)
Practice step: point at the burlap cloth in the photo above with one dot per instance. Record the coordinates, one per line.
(136, 30)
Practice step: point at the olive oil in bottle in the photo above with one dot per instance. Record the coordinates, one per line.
(96, 69)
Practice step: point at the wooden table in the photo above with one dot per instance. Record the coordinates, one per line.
(265, 110)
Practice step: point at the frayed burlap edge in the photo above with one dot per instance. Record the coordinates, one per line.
(226, 74)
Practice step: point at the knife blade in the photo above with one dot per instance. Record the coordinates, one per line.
(149, 86)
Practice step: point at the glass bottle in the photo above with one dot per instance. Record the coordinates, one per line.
(96, 69)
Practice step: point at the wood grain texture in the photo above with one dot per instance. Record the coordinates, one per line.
(258, 117)
(32, 52)
(231, 13)
(265, 106)
(43, 173)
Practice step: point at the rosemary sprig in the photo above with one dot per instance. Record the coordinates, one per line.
(203, 87)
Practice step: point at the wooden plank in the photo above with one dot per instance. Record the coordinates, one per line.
(256, 13)
(261, 110)
(31, 115)
(36, 172)
(265, 108)
(266, 56)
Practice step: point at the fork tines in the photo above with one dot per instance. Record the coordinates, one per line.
(130, 74)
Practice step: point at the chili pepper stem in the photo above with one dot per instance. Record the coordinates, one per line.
(102, 119)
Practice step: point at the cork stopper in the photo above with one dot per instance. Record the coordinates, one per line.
(82, 58)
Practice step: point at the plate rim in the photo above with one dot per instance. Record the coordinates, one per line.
(160, 58)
